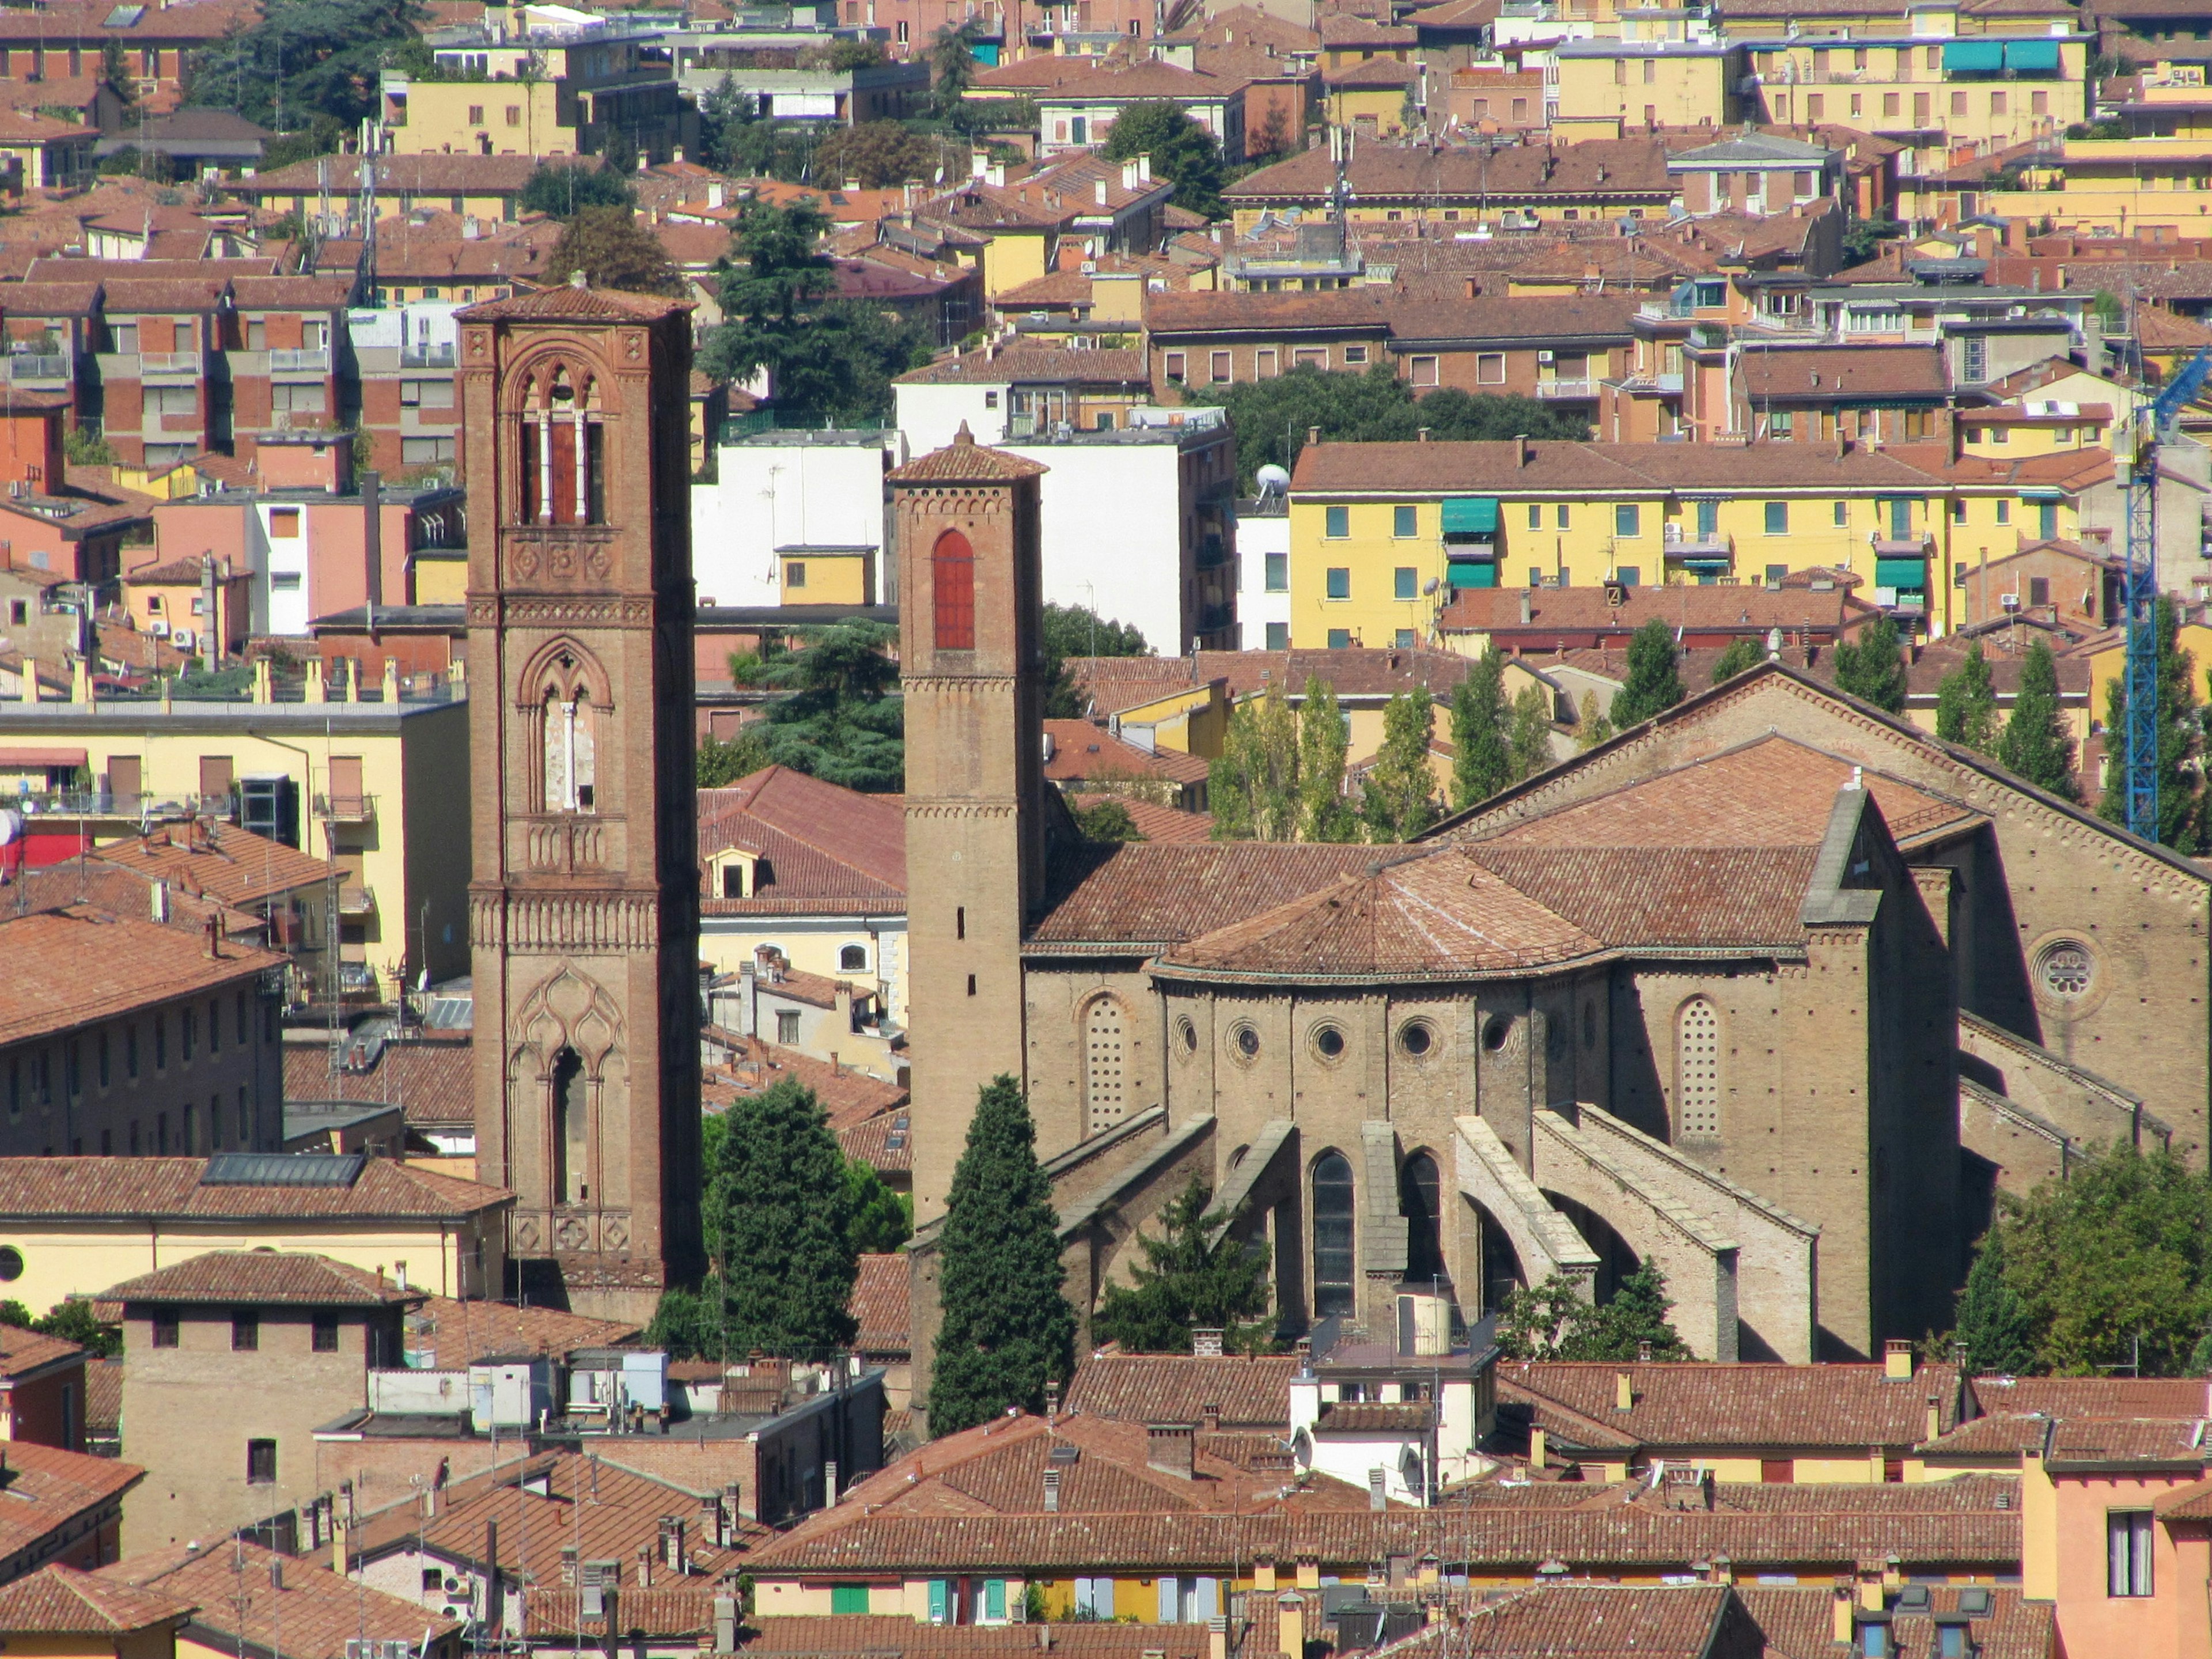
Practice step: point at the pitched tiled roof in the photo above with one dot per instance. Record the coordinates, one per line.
(23, 1351)
(2095, 1396)
(825, 845)
(1591, 609)
(1140, 896)
(583, 305)
(1153, 821)
(1603, 1621)
(170, 1188)
(403, 175)
(1629, 168)
(215, 860)
(1843, 371)
(1121, 366)
(1420, 917)
(885, 1636)
(1551, 466)
(103, 1397)
(55, 298)
(1082, 752)
(315, 1614)
(450, 1333)
(264, 1276)
(428, 1077)
(74, 966)
(1846, 1406)
(61, 1600)
(880, 1305)
(127, 296)
(291, 293)
(1691, 898)
(752, 1064)
(965, 461)
(1241, 1391)
(2154, 1442)
(1798, 1622)
(51, 1494)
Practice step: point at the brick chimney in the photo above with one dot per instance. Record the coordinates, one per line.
(1170, 1447)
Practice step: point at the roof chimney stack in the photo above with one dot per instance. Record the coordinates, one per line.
(1520, 449)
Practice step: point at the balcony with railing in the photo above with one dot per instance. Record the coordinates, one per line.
(168, 362)
(1563, 390)
(427, 357)
(346, 809)
(304, 360)
(37, 366)
(1703, 545)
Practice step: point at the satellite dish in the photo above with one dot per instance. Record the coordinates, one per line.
(11, 825)
(1273, 480)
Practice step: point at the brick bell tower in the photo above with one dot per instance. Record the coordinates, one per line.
(970, 646)
(584, 896)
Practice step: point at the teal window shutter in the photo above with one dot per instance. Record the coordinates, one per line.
(848, 1598)
(1476, 515)
(994, 1599)
(1405, 583)
(1337, 522)
(1777, 518)
(1340, 582)
(1900, 573)
(1627, 519)
(1404, 523)
(940, 1601)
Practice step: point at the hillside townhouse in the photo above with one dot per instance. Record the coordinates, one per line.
(328, 188)
(246, 1597)
(158, 403)
(1017, 227)
(70, 40)
(1517, 187)
(1078, 99)
(66, 1511)
(1612, 88)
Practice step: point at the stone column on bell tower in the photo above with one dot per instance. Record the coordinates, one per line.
(971, 661)
(584, 889)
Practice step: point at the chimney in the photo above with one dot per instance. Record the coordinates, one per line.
(1217, 1637)
(1052, 1492)
(1378, 1489)
(1422, 434)
(1313, 434)
(1205, 1344)
(1474, 288)
(275, 1572)
(1843, 1620)
(1528, 607)
(671, 1542)
(1051, 1399)
(1935, 1418)
(1896, 1360)
(1520, 449)
(1170, 1447)
(1098, 192)
(215, 936)
(1291, 1623)
(1539, 1449)
(159, 898)
(726, 1624)
(1624, 1391)
(372, 539)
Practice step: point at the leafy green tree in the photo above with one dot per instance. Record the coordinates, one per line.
(1967, 704)
(1183, 152)
(303, 57)
(1592, 725)
(2035, 745)
(1008, 1327)
(1532, 732)
(840, 721)
(2113, 1264)
(619, 151)
(876, 155)
(564, 189)
(72, 1321)
(1401, 796)
(788, 1263)
(1551, 1321)
(1482, 758)
(613, 250)
(1655, 677)
(878, 1219)
(721, 762)
(1270, 417)
(2181, 816)
(1323, 812)
(1865, 237)
(952, 63)
(1741, 656)
(1252, 785)
(1186, 1283)
(1872, 667)
(1073, 630)
(1107, 820)
(1993, 1323)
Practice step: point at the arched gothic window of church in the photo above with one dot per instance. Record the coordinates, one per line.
(952, 580)
(563, 451)
(1104, 1089)
(1332, 1235)
(1698, 1068)
(571, 752)
(570, 1135)
(1420, 1198)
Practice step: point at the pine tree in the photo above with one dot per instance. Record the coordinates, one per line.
(1967, 704)
(1323, 812)
(1185, 1282)
(1008, 1326)
(2181, 817)
(1743, 655)
(1532, 732)
(786, 1220)
(1655, 678)
(1481, 762)
(1993, 1324)
(1253, 784)
(1872, 667)
(2035, 745)
(1399, 798)
(1551, 1321)
(1591, 726)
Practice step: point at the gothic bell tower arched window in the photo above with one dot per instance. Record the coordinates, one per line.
(561, 443)
(952, 574)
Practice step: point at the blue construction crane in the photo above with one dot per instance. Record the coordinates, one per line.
(2153, 425)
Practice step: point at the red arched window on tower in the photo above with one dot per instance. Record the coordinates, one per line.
(952, 578)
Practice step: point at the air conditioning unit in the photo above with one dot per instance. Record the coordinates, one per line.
(2010, 601)
(158, 629)
(1547, 356)
(182, 638)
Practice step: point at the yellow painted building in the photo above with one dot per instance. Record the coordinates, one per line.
(1380, 540)
(1609, 89)
(2108, 662)
(2116, 187)
(537, 96)
(63, 1612)
(826, 575)
(483, 117)
(1988, 90)
(380, 788)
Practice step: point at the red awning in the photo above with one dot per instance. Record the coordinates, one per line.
(20, 758)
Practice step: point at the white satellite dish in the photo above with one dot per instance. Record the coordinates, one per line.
(11, 825)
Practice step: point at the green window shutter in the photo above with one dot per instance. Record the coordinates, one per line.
(994, 1598)
(1339, 638)
(1472, 573)
(940, 1601)
(1404, 523)
(848, 1598)
(1777, 518)
(1626, 519)
(1337, 522)
(1405, 583)
(1340, 582)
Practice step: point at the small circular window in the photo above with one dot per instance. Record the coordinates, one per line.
(11, 1263)
(1417, 1039)
(1186, 1034)
(2066, 970)
(1328, 1041)
(1495, 1033)
(1244, 1042)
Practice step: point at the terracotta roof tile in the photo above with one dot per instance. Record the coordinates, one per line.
(1154, 822)
(73, 966)
(263, 1276)
(1021, 363)
(170, 1188)
(103, 1397)
(965, 461)
(215, 860)
(427, 1076)
(2095, 1396)
(1843, 371)
(1140, 896)
(1579, 610)
(1798, 1623)
(880, 1304)
(448, 1334)
(850, 1099)
(1633, 169)
(51, 1494)
(824, 844)
(858, 1635)
(1687, 898)
(1081, 752)
(1553, 466)
(1241, 1392)
(315, 1615)
(2160, 1442)
(403, 175)
(1843, 1405)
(588, 305)
(60, 1601)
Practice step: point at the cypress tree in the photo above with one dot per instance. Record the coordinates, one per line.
(1481, 764)
(1185, 1281)
(1655, 678)
(1872, 669)
(1400, 793)
(1008, 1327)
(2180, 729)
(1532, 732)
(2035, 745)
(1592, 728)
(1993, 1324)
(1741, 654)
(1967, 704)
(787, 1259)
(1253, 784)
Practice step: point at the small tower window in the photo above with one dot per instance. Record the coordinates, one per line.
(570, 1142)
(1698, 1068)
(952, 579)
(1105, 1093)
